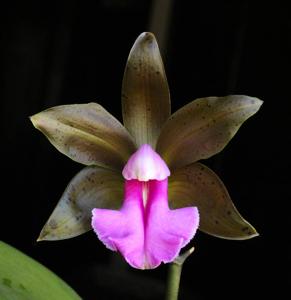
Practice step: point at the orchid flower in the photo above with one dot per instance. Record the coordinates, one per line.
(142, 187)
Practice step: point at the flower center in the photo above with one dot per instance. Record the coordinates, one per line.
(145, 164)
(145, 230)
(145, 193)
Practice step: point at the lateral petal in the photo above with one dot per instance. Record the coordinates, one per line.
(86, 133)
(203, 128)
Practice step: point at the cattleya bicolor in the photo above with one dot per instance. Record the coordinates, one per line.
(150, 163)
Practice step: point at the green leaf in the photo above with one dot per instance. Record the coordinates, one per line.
(22, 278)
(93, 187)
(197, 185)
(203, 128)
(145, 92)
(86, 133)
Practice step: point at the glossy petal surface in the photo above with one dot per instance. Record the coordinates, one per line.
(146, 235)
(197, 185)
(92, 187)
(86, 133)
(145, 92)
(203, 128)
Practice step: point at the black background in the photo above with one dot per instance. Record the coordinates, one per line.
(62, 52)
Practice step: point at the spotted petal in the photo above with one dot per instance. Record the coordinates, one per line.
(197, 185)
(87, 133)
(145, 92)
(203, 128)
(92, 187)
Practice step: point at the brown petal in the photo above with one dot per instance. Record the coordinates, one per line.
(145, 92)
(203, 128)
(93, 187)
(86, 133)
(197, 185)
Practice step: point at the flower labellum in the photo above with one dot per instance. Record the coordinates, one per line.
(145, 231)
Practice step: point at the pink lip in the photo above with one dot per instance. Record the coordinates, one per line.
(145, 231)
